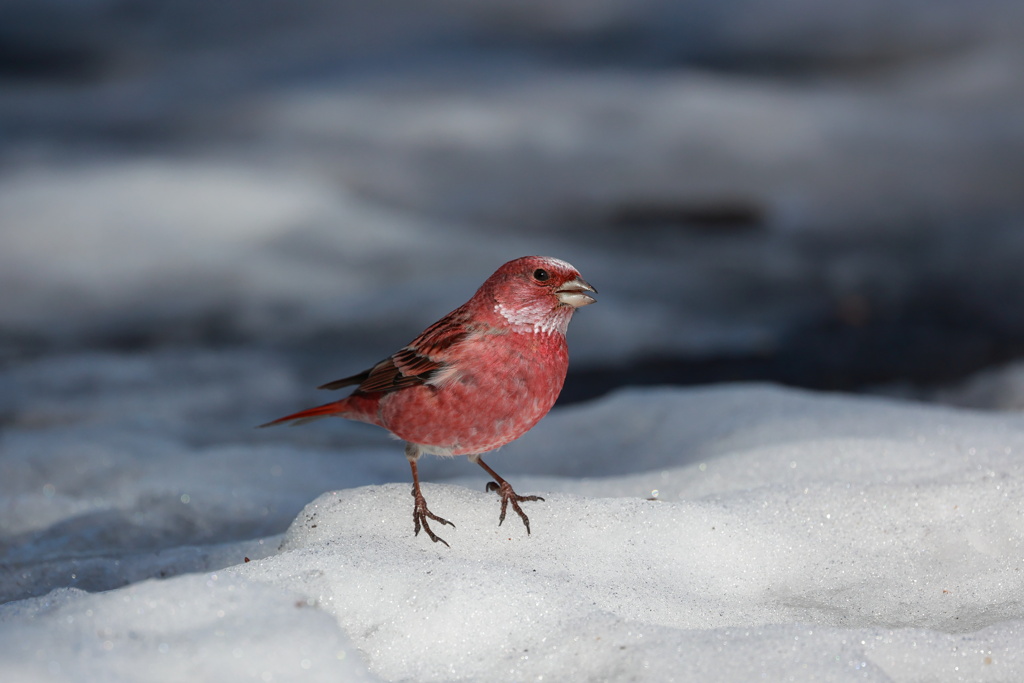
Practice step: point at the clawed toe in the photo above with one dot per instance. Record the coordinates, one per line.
(420, 514)
(504, 490)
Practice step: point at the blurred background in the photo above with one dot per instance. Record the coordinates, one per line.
(207, 209)
(826, 195)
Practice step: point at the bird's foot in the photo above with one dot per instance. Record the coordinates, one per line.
(420, 514)
(504, 490)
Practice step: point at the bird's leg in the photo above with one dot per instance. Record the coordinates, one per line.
(420, 513)
(504, 490)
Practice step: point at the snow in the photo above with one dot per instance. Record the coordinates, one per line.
(734, 532)
(200, 628)
(302, 200)
(208, 209)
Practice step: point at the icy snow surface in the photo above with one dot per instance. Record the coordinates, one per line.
(731, 532)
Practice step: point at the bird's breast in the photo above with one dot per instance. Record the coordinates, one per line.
(497, 387)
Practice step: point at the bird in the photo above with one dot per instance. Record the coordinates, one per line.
(475, 380)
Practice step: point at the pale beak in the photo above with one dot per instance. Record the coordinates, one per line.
(573, 293)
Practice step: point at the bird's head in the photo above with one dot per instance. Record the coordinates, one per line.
(538, 290)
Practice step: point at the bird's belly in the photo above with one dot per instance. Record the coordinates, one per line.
(485, 405)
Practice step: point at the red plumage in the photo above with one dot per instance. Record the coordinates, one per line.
(477, 379)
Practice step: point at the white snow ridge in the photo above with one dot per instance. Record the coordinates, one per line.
(730, 534)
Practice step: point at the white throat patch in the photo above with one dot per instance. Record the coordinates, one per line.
(537, 319)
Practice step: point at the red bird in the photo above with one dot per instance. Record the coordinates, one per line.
(475, 380)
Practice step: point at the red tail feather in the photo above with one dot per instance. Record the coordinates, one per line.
(310, 414)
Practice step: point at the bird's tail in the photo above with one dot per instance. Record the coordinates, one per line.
(356, 407)
(310, 414)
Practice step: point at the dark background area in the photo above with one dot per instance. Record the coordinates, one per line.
(822, 196)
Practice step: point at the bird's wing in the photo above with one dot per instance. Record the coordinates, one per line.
(418, 363)
(346, 381)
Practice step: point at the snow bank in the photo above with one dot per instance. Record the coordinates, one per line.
(729, 532)
(189, 628)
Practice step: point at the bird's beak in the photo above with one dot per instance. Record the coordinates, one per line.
(573, 293)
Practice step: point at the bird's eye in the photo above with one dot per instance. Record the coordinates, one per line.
(541, 275)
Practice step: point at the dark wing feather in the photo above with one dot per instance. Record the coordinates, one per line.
(346, 381)
(414, 364)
